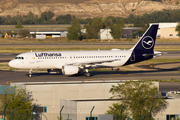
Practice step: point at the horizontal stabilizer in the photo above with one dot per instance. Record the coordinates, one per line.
(156, 54)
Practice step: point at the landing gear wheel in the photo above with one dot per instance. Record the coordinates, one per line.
(48, 70)
(29, 76)
(30, 72)
(87, 74)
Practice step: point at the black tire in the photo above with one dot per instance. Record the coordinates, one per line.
(87, 74)
(48, 70)
(29, 75)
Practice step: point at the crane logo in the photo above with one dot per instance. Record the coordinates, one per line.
(147, 42)
(133, 57)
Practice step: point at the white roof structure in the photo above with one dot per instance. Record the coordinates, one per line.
(166, 25)
(45, 32)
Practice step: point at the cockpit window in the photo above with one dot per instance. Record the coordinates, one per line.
(21, 58)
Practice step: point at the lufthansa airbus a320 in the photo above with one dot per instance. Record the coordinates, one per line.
(74, 62)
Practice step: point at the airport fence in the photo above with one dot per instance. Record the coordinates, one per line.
(78, 115)
(81, 116)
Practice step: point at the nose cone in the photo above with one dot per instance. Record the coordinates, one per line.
(12, 63)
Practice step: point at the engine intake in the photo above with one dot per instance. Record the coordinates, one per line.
(70, 70)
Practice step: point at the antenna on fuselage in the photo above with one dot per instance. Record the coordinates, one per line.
(31, 50)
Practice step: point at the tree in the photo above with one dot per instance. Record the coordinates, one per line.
(177, 3)
(64, 19)
(115, 109)
(144, 27)
(138, 99)
(19, 25)
(59, 117)
(178, 29)
(17, 102)
(109, 21)
(93, 28)
(24, 33)
(74, 32)
(117, 29)
(29, 18)
(46, 16)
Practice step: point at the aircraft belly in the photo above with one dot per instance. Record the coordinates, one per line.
(47, 64)
(112, 64)
(40, 64)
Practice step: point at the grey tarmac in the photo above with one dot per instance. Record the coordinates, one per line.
(6, 77)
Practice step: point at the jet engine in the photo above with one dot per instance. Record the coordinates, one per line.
(70, 70)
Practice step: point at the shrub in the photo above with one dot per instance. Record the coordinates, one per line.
(19, 25)
(24, 33)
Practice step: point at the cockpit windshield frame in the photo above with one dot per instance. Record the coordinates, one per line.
(19, 58)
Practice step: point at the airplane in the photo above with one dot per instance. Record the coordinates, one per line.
(74, 62)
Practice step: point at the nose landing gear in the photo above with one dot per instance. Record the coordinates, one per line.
(87, 74)
(30, 73)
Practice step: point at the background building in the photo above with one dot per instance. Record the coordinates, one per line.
(105, 33)
(79, 97)
(167, 30)
(44, 35)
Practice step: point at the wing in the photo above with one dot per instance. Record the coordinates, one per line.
(92, 62)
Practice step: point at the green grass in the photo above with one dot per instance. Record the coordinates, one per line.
(37, 27)
(163, 60)
(95, 46)
(16, 49)
(5, 66)
(28, 49)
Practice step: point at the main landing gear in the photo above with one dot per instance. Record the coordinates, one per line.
(87, 74)
(30, 73)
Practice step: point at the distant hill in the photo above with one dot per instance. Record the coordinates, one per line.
(51, 1)
(85, 8)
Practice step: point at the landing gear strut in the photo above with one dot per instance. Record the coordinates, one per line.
(87, 74)
(30, 73)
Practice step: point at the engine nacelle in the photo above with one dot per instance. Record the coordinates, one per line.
(70, 70)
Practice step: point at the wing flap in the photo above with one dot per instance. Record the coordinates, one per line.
(93, 62)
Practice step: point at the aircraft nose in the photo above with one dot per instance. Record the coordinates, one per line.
(12, 63)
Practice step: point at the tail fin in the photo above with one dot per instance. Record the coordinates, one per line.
(143, 50)
(147, 41)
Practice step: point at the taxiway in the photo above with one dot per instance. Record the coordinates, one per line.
(7, 77)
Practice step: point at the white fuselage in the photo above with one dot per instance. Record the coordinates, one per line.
(57, 59)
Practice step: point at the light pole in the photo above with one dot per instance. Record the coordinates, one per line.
(5, 111)
(91, 113)
(150, 113)
(61, 111)
(121, 111)
(33, 110)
